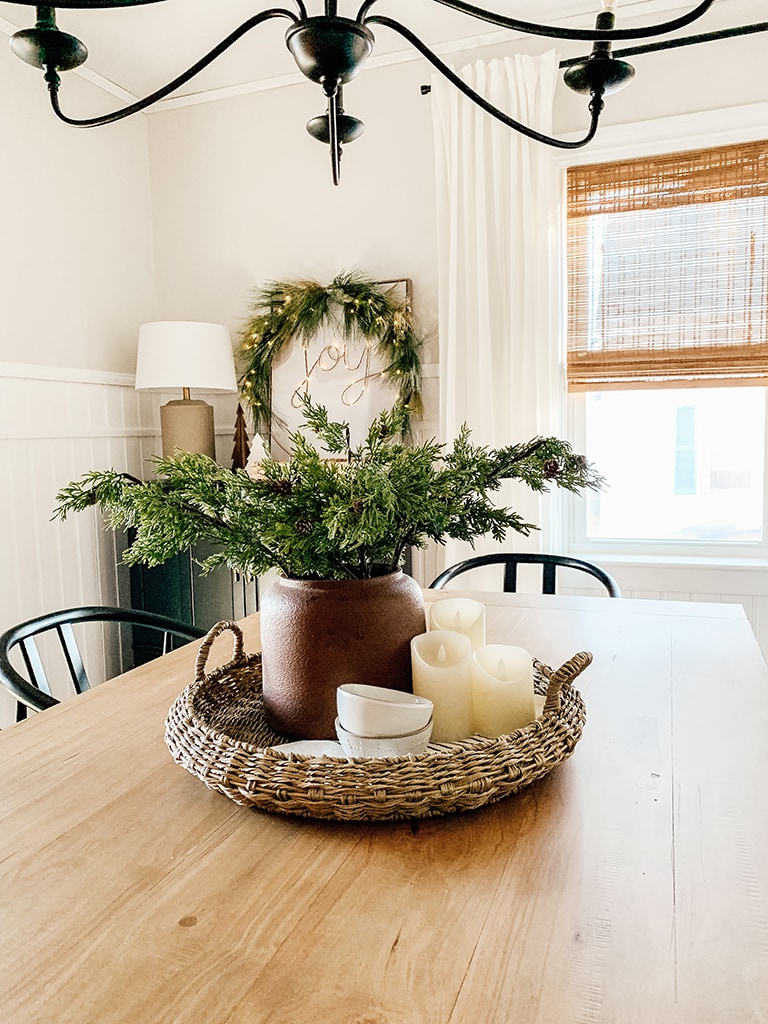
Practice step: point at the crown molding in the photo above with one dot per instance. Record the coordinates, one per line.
(492, 37)
(647, 9)
(720, 127)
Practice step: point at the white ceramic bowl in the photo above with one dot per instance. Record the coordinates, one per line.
(377, 711)
(383, 746)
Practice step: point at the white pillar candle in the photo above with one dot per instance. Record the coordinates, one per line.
(442, 671)
(502, 689)
(460, 615)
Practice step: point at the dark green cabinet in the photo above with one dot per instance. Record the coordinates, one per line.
(178, 589)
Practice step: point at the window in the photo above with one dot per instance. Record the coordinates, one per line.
(668, 342)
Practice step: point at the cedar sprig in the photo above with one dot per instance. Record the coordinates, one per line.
(333, 510)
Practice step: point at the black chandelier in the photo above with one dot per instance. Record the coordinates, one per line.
(330, 50)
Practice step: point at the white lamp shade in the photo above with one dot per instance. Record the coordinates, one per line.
(185, 354)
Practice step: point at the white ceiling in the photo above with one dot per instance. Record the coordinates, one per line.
(142, 48)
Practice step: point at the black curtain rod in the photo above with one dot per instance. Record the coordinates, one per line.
(667, 44)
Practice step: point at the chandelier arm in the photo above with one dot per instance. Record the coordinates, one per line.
(674, 44)
(595, 106)
(557, 32)
(53, 80)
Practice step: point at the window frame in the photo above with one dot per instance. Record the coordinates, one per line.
(597, 547)
(619, 142)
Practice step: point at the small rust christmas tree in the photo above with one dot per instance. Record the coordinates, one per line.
(242, 448)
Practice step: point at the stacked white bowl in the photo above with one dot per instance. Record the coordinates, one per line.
(374, 721)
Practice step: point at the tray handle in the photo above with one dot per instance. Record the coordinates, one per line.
(205, 646)
(562, 677)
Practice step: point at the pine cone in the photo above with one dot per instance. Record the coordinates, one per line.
(551, 468)
(281, 487)
(303, 527)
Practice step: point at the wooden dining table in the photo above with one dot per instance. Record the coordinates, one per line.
(628, 886)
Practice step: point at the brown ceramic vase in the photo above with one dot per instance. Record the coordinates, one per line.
(318, 634)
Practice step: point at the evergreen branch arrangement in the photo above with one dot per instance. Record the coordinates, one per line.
(352, 305)
(340, 513)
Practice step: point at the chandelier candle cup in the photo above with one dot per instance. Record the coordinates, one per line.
(372, 711)
(502, 689)
(460, 615)
(441, 664)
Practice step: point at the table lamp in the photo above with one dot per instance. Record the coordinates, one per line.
(185, 354)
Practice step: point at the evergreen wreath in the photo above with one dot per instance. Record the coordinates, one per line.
(285, 311)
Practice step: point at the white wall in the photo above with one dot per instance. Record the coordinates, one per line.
(243, 195)
(76, 255)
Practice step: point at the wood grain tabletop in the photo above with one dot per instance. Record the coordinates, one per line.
(629, 886)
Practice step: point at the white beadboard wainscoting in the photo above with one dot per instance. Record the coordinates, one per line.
(57, 423)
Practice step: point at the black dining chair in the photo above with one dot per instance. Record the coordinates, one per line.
(152, 635)
(511, 559)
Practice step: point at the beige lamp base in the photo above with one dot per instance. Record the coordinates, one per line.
(187, 424)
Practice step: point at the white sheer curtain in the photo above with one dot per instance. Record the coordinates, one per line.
(501, 366)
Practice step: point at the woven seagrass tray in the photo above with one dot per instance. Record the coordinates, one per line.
(216, 730)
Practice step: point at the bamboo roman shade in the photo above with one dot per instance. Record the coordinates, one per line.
(668, 270)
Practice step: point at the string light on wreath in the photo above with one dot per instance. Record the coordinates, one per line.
(356, 309)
